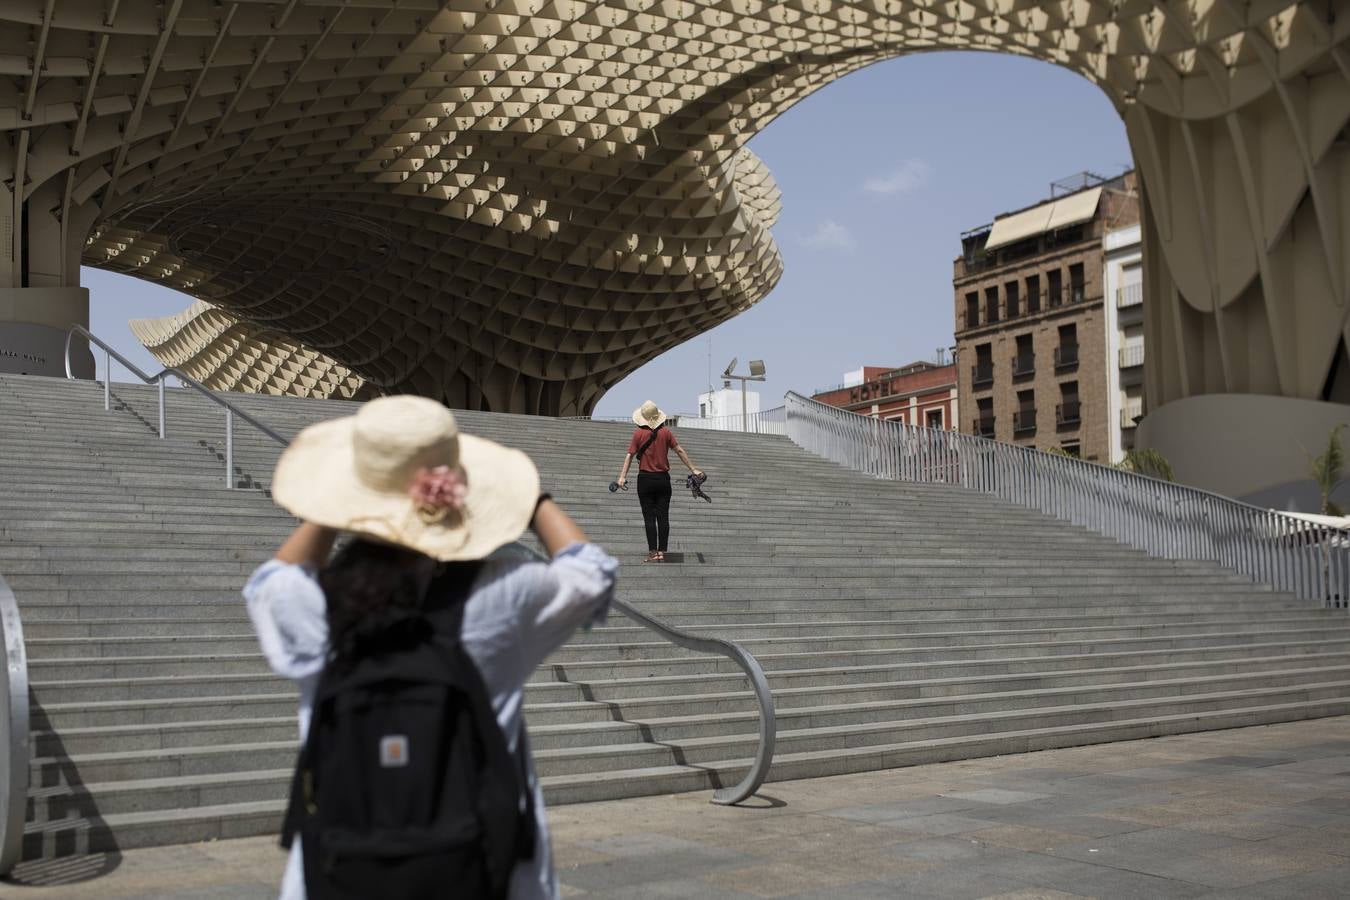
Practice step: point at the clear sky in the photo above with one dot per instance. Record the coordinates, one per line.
(880, 174)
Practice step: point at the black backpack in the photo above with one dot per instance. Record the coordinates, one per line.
(405, 785)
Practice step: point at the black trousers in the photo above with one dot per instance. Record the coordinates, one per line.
(654, 495)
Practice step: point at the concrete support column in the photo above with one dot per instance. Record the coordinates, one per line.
(33, 326)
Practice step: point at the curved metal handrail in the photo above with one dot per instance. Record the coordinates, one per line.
(768, 723)
(14, 748)
(231, 410)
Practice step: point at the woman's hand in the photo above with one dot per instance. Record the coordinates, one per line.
(623, 482)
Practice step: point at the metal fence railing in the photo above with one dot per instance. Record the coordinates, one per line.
(770, 421)
(1160, 518)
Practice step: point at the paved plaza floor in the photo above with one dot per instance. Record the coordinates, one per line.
(1255, 812)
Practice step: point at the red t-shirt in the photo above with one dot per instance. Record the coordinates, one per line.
(657, 457)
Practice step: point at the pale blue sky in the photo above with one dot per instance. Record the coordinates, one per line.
(880, 174)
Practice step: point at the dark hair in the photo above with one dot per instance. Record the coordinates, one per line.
(375, 596)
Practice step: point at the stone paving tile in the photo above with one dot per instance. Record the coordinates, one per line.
(1326, 883)
(941, 824)
(1088, 880)
(997, 796)
(903, 809)
(1261, 812)
(1022, 837)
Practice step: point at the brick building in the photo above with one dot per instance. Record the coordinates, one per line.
(921, 393)
(1030, 319)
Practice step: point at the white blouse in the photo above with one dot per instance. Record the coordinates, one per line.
(518, 612)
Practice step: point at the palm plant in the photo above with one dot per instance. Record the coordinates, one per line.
(1147, 462)
(1328, 472)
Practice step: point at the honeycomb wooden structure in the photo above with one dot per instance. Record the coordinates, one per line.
(511, 204)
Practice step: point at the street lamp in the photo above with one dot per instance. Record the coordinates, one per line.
(756, 374)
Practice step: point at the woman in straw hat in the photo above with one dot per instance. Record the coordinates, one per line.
(419, 499)
(651, 444)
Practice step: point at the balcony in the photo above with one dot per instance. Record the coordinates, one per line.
(1129, 295)
(1066, 356)
(1070, 412)
(983, 426)
(1024, 420)
(982, 373)
(1024, 364)
(1132, 356)
(1129, 413)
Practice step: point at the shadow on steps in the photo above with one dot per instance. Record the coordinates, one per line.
(65, 839)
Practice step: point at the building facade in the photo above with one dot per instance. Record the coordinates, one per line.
(1031, 320)
(921, 393)
(726, 401)
(1123, 277)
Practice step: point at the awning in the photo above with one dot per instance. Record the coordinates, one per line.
(1018, 226)
(1060, 213)
(1080, 207)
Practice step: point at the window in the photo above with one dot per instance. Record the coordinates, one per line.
(1013, 302)
(1033, 293)
(972, 309)
(934, 419)
(1055, 288)
(1066, 354)
(1073, 449)
(1024, 362)
(1070, 411)
(703, 410)
(991, 304)
(1024, 418)
(984, 422)
(1077, 286)
(983, 370)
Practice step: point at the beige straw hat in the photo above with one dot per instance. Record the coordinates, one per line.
(400, 471)
(648, 414)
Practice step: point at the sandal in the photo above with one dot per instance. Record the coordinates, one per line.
(660, 556)
(652, 556)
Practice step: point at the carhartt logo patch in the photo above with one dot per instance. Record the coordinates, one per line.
(393, 751)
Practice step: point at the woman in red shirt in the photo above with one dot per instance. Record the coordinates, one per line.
(651, 444)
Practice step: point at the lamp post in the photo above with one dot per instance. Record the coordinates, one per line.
(756, 374)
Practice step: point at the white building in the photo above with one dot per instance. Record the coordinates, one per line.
(1124, 289)
(726, 402)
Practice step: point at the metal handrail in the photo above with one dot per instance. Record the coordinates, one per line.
(768, 722)
(1160, 518)
(738, 654)
(15, 748)
(231, 410)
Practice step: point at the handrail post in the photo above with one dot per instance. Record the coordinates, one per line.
(107, 380)
(161, 408)
(15, 747)
(229, 448)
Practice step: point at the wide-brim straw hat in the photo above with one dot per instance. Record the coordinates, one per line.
(648, 414)
(355, 473)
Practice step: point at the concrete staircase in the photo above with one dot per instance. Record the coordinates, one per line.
(897, 623)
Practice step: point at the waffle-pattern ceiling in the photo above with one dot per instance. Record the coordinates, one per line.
(511, 204)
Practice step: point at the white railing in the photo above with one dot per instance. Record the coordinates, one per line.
(770, 421)
(1160, 518)
(1132, 355)
(1129, 295)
